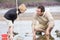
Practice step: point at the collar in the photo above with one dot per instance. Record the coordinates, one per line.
(19, 11)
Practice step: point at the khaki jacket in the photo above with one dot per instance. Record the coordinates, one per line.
(44, 21)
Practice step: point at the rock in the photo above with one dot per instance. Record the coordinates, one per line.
(44, 38)
(57, 33)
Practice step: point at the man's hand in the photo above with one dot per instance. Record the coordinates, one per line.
(47, 33)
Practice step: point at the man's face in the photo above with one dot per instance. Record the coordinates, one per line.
(39, 11)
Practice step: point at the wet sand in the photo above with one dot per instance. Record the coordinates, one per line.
(23, 27)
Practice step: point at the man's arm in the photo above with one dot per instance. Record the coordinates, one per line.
(50, 23)
(33, 27)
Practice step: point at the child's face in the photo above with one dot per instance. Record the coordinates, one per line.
(22, 8)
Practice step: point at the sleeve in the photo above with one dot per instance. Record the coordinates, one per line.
(50, 19)
(33, 21)
(33, 26)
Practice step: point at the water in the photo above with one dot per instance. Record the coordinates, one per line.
(23, 27)
(33, 9)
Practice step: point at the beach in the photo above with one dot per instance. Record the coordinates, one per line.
(23, 24)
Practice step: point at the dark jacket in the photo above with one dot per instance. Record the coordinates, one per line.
(11, 14)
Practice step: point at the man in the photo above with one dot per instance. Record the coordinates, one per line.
(42, 22)
(11, 16)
